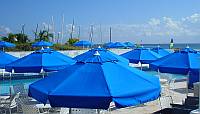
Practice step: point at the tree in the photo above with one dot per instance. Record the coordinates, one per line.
(71, 41)
(44, 35)
(10, 38)
(21, 38)
(16, 38)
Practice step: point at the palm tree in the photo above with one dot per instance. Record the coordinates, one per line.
(10, 38)
(44, 35)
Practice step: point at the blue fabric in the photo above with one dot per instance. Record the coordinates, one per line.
(108, 45)
(47, 59)
(42, 44)
(129, 44)
(6, 59)
(187, 49)
(103, 52)
(143, 55)
(6, 44)
(178, 63)
(193, 78)
(83, 44)
(162, 52)
(118, 45)
(181, 62)
(88, 84)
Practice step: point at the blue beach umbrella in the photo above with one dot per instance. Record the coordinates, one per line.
(94, 82)
(45, 59)
(42, 44)
(162, 52)
(129, 44)
(142, 55)
(108, 45)
(118, 45)
(6, 44)
(103, 52)
(6, 59)
(83, 44)
(188, 49)
(180, 62)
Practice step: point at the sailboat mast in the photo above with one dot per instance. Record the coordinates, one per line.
(72, 29)
(110, 34)
(91, 33)
(53, 28)
(62, 30)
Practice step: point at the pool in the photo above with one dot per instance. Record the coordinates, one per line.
(5, 84)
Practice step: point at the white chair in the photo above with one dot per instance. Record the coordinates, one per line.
(165, 102)
(64, 111)
(20, 88)
(83, 111)
(31, 109)
(10, 103)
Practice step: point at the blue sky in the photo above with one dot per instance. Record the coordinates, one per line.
(149, 21)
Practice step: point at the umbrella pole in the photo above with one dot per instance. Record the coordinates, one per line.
(10, 90)
(70, 110)
(3, 73)
(199, 91)
(187, 84)
(140, 65)
(98, 111)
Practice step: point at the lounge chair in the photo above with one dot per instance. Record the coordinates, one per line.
(20, 88)
(64, 111)
(30, 109)
(83, 111)
(165, 102)
(10, 104)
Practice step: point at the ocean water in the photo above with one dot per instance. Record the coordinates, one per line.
(166, 46)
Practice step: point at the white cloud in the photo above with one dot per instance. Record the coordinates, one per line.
(193, 18)
(154, 22)
(5, 30)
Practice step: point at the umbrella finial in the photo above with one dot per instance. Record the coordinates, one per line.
(42, 70)
(96, 53)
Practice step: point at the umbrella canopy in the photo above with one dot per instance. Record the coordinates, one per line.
(188, 49)
(83, 44)
(103, 52)
(6, 59)
(94, 82)
(108, 45)
(42, 44)
(162, 52)
(45, 59)
(129, 44)
(6, 44)
(180, 62)
(142, 55)
(118, 45)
